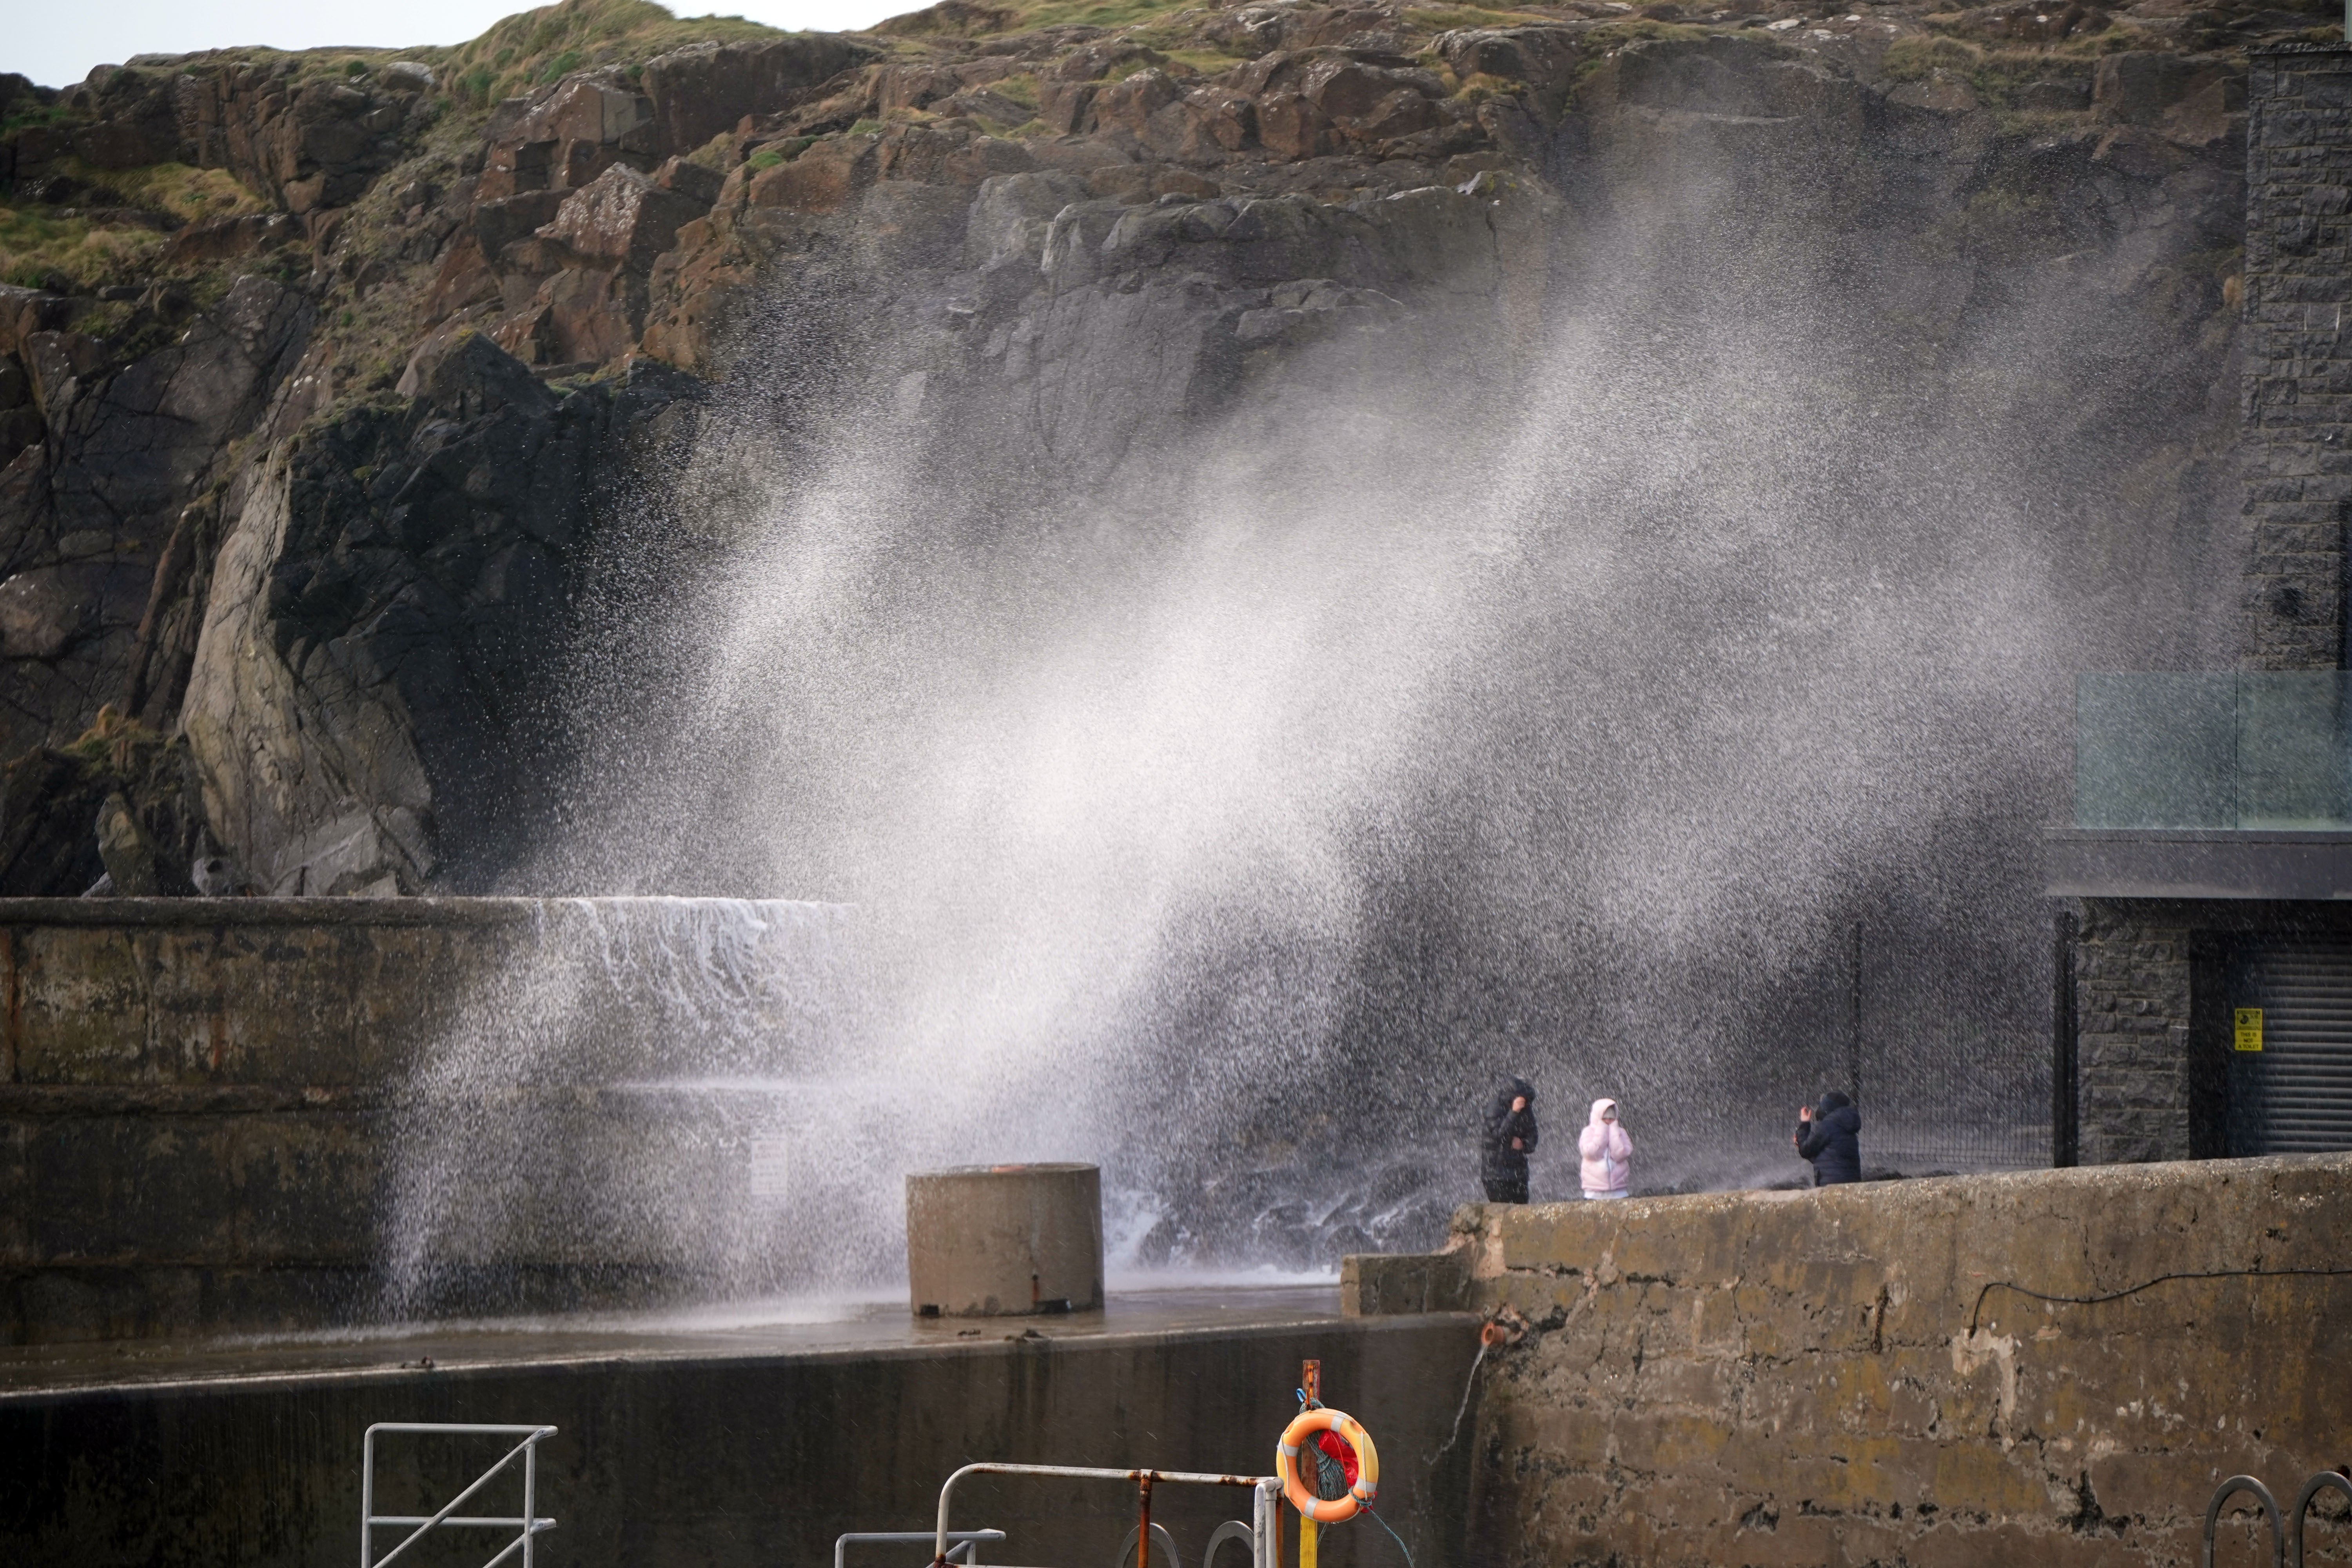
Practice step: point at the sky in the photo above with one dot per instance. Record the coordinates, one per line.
(57, 44)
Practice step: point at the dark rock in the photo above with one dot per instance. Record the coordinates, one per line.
(2137, 86)
(1292, 128)
(914, 86)
(621, 217)
(133, 122)
(319, 146)
(225, 239)
(47, 610)
(24, 311)
(393, 607)
(951, 19)
(1064, 107)
(2062, 96)
(821, 179)
(1130, 105)
(120, 801)
(49, 805)
(125, 847)
(1093, 61)
(589, 123)
(692, 181)
(702, 90)
(84, 514)
(498, 223)
(1543, 57)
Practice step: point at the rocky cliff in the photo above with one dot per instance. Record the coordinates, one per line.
(324, 377)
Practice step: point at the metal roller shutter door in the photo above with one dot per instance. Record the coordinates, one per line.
(2294, 1095)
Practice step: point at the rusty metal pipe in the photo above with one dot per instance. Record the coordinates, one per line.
(1146, 1479)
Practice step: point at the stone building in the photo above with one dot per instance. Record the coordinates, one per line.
(2204, 980)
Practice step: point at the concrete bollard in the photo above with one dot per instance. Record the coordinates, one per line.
(1004, 1240)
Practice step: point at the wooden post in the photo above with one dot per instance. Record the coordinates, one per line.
(1310, 1382)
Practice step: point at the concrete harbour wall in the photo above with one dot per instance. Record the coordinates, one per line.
(2054, 1367)
(745, 1461)
(200, 1097)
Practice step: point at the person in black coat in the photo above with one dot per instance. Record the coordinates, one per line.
(1829, 1136)
(1510, 1134)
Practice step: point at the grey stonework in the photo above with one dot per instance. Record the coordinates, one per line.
(2298, 379)
(2132, 995)
(2151, 1012)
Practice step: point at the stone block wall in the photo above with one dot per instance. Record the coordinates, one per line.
(2133, 997)
(2298, 377)
(2050, 1367)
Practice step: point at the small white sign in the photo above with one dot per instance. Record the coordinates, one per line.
(771, 1168)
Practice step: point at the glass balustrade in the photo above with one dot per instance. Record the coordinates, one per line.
(2228, 751)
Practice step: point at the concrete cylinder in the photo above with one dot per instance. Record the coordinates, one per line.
(1004, 1240)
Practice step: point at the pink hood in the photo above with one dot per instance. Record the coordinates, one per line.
(1608, 1151)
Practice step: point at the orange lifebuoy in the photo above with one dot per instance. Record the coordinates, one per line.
(1302, 1497)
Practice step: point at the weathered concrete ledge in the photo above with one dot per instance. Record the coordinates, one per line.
(748, 1456)
(206, 913)
(2050, 1367)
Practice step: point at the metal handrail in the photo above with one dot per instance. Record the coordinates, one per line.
(529, 1524)
(1266, 1488)
(2311, 1489)
(961, 1552)
(2229, 1488)
(1162, 1544)
(1232, 1529)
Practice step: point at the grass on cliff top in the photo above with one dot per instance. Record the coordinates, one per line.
(189, 195)
(1997, 76)
(533, 48)
(37, 247)
(1448, 18)
(1093, 13)
(40, 244)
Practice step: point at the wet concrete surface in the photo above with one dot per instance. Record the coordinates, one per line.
(855, 1327)
(733, 1441)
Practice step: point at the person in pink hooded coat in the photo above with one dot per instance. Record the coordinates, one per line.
(1608, 1151)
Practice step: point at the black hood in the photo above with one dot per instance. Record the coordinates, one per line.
(1835, 1104)
(1513, 1090)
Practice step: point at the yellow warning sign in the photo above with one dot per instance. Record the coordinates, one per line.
(2250, 1029)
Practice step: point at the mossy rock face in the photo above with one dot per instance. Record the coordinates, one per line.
(49, 814)
(120, 801)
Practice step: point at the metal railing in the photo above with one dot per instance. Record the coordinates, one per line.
(1266, 1492)
(529, 1525)
(2286, 1543)
(2310, 1493)
(2223, 1494)
(965, 1552)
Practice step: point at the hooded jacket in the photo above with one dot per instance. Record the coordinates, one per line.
(1608, 1151)
(1831, 1141)
(1498, 1161)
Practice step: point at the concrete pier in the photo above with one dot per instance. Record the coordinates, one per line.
(202, 1100)
(744, 1447)
(2053, 1367)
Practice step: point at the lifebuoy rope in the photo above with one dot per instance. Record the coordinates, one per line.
(1348, 1430)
